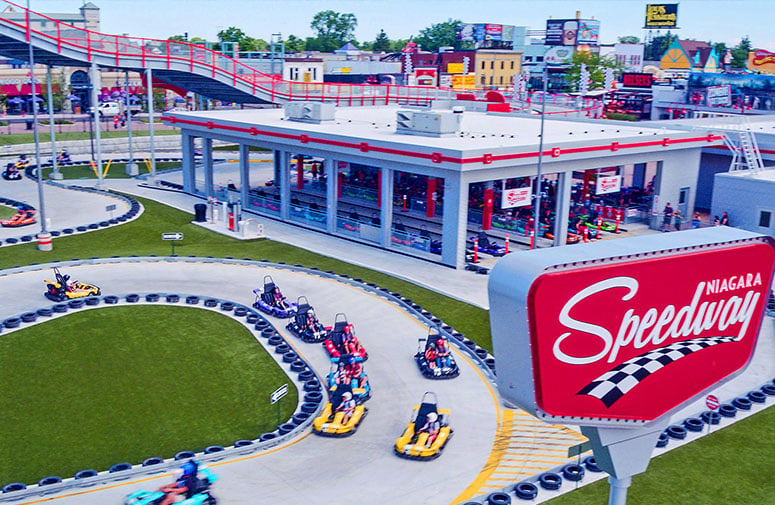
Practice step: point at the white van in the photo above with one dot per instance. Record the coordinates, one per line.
(110, 109)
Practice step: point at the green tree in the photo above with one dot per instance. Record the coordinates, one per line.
(333, 29)
(294, 44)
(629, 39)
(439, 35)
(740, 53)
(231, 34)
(178, 38)
(596, 66)
(397, 45)
(249, 44)
(657, 47)
(382, 42)
(58, 90)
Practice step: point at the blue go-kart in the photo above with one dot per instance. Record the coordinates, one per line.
(271, 300)
(199, 495)
(305, 323)
(487, 246)
(348, 370)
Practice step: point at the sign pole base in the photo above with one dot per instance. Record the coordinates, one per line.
(618, 494)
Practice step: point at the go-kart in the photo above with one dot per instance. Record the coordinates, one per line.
(606, 226)
(11, 173)
(22, 218)
(62, 289)
(488, 247)
(341, 340)
(272, 301)
(63, 158)
(571, 238)
(334, 421)
(419, 440)
(305, 323)
(198, 496)
(434, 356)
(349, 370)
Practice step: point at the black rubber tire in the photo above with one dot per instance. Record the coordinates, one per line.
(152, 297)
(490, 362)
(15, 486)
(768, 389)
(133, 298)
(313, 397)
(710, 417)
(663, 439)
(213, 449)
(153, 461)
(266, 332)
(282, 348)
(275, 340)
(29, 317)
(286, 428)
(211, 302)
(498, 498)
(267, 436)
(227, 306)
(754, 396)
(306, 375)
(676, 431)
(120, 467)
(173, 298)
(47, 481)
(693, 424)
(727, 410)
(184, 455)
(297, 365)
(192, 300)
(263, 324)
(92, 301)
(45, 312)
(60, 308)
(550, 481)
(241, 312)
(243, 443)
(742, 403)
(482, 353)
(526, 491)
(85, 474)
(12, 322)
(289, 357)
(251, 318)
(312, 385)
(300, 417)
(573, 472)
(591, 464)
(309, 407)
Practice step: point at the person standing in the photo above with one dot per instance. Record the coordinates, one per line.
(696, 220)
(724, 219)
(677, 219)
(667, 216)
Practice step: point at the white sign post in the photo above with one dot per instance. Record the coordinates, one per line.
(275, 398)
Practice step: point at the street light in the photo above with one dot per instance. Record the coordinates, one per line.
(537, 209)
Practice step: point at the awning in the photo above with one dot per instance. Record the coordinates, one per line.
(9, 89)
(26, 89)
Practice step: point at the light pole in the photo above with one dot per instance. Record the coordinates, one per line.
(537, 209)
(44, 238)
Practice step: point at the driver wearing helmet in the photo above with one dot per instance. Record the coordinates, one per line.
(442, 354)
(186, 483)
(431, 427)
(355, 373)
(430, 355)
(347, 407)
(310, 321)
(279, 299)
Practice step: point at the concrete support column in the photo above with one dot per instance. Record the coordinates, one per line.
(329, 168)
(386, 204)
(244, 173)
(207, 161)
(455, 220)
(189, 169)
(562, 208)
(281, 166)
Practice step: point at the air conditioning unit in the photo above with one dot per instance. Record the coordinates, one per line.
(430, 123)
(310, 112)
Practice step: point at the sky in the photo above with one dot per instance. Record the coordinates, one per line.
(709, 20)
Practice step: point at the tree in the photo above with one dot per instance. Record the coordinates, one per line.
(178, 38)
(333, 29)
(382, 42)
(231, 34)
(629, 39)
(250, 44)
(294, 44)
(740, 53)
(439, 35)
(595, 65)
(658, 46)
(397, 45)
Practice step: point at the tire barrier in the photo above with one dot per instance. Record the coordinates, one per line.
(172, 298)
(768, 389)
(184, 455)
(210, 302)
(227, 306)
(590, 463)
(662, 440)
(313, 397)
(241, 312)
(75, 304)
(573, 472)
(47, 481)
(711, 417)
(286, 428)
(526, 491)
(276, 340)
(243, 443)
(309, 407)
(59, 308)
(153, 461)
(498, 498)
(192, 300)
(28, 317)
(742, 403)
(312, 385)
(288, 357)
(267, 436)
(12, 322)
(120, 467)
(676, 431)
(151, 298)
(306, 375)
(727, 410)
(693, 424)
(92, 301)
(550, 481)
(251, 319)
(297, 365)
(45, 312)
(85, 474)
(753, 396)
(133, 298)
(16, 486)
(111, 300)
(213, 449)
(282, 348)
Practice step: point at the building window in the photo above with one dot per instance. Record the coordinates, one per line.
(512, 64)
(765, 217)
(528, 58)
(635, 59)
(492, 65)
(503, 64)
(490, 80)
(483, 81)
(482, 65)
(501, 79)
(314, 73)
(621, 59)
(539, 58)
(294, 74)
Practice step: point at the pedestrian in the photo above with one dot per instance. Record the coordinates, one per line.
(667, 216)
(677, 220)
(696, 220)
(724, 219)
(115, 122)
(715, 221)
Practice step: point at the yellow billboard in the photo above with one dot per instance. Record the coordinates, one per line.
(761, 61)
(454, 68)
(463, 81)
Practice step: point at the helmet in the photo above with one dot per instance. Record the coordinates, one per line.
(347, 396)
(189, 468)
(432, 416)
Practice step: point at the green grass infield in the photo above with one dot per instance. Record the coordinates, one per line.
(115, 171)
(6, 211)
(109, 385)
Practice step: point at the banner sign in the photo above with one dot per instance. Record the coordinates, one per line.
(589, 32)
(637, 80)
(517, 197)
(661, 16)
(608, 184)
(719, 96)
(561, 32)
(621, 340)
(493, 32)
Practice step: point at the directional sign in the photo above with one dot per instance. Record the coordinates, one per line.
(111, 207)
(581, 448)
(712, 402)
(278, 393)
(172, 236)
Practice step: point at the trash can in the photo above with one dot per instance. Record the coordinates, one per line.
(200, 213)
(29, 123)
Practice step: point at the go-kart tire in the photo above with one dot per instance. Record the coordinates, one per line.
(297, 365)
(286, 428)
(309, 407)
(289, 357)
(227, 306)
(59, 308)
(591, 464)
(490, 362)
(85, 474)
(243, 443)
(754, 396)
(727, 410)
(300, 417)
(768, 389)
(152, 297)
(742, 403)
(120, 467)
(313, 397)
(312, 385)
(550, 481)
(282, 348)
(676, 431)
(573, 472)
(526, 491)
(212, 449)
(693, 424)
(275, 340)
(45, 312)
(192, 300)
(240, 312)
(252, 319)
(153, 461)
(15, 486)
(306, 375)
(267, 436)
(47, 481)
(498, 498)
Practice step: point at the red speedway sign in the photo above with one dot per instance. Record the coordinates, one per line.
(634, 340)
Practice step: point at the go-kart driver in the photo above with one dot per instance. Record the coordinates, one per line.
(432, 427)
(340, 374)
(63, 156)
(347, 407)
(310, 322)
(279, 299)
(349, 343)
(355, 375)
(430, 355)
(442, 354)
(185, 486)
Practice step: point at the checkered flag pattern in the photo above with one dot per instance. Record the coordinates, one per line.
(615, 383)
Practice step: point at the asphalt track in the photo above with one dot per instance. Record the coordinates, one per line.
(314, 469)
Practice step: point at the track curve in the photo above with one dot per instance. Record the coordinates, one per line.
(312, 469)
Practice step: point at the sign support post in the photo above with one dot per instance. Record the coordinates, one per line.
(275, 397)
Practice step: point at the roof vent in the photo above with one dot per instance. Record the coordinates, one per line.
(310, 112)
(428, 123)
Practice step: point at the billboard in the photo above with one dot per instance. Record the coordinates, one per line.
(561, 32)
(719, 96)
(761, 61)
(589, 32)
(493, 32)
(517, 197)
(465, 32)
(661, 16)
(637, 80)
(608, 184)
(624, 340)
(558, 56)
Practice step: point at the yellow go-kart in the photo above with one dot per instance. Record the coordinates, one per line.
(341, 415)
(61, 289)
(427, 433)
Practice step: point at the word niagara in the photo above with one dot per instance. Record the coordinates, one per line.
(655, 327)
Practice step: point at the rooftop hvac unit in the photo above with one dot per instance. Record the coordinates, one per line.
(428, 123)
(309, 112)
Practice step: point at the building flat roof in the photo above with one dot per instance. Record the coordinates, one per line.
(766, 175)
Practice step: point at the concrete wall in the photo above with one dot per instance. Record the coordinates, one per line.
(710, 165)
(744, 197)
